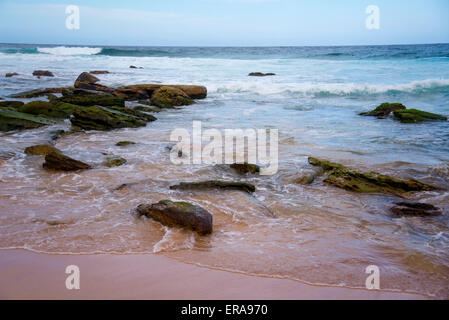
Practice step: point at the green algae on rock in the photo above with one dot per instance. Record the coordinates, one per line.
(168, 97)
(182, 214)
(384, 110)
(11, 104)
(147, 108)
(414, 115)
(371, 182)
(93, 99)
(11, 119)
(59, 110)
(215, 184)
(41, 150)
(114, 162)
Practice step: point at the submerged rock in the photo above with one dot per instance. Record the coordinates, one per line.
(182, 214)
(59, 110)
(58, 161)
(414, 115)
(371, 182)
(11, 104)
(167, 97)
(97, 118)
(124, 143)
(43, 73)
(114, 162)
(41, 150)
(384, 110)
(415, 209)
(244, 168)
(261, 74)
(11, 74)
(11, 119)
(214, 184)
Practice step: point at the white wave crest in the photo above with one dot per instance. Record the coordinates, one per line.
(70, 51)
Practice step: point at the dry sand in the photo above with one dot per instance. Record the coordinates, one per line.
(29, 275)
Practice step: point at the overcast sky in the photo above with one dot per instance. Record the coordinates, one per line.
(224, 22)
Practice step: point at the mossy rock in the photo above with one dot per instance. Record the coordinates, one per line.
(135, 113)
(214, 184)
(114, 162)
(97, 118)
(147, 108)
(414, 115)
(244, 168)
(58, 161)
(40, 92)
(371, 182)
(169, 97)
(384, 110)
(11, 119)
(41, 150)
(87, 100)
(59, 110)
(11, 104)
(124, 143)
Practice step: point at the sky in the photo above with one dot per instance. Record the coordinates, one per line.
(224, 22)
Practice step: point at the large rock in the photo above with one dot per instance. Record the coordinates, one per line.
(194, 92)
(11, 104)
(168, 97)
(415, 209)
(93, 99)
(43, 73)
(59, 110)
(414, 115)
(41, 150)
(214, 184)
(11, 119)
(86, 77)
(371, 182)
(384, 110)
(97, 118)
(58, 161)
(182, 214)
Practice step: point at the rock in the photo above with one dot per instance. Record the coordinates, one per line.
(40, 92)
(11, 119)
(260, 74)
(134, 67)
(86, 77)
(147, 108)
(133, 112)
(243, 186)
(245, 168)
(194, 92)
(415, 209)
(124, 143)
(168, 97)
(40, 150)
(99, 72)
(384, 110)
(371, 182)
(58, 161)
(43, 73)
(60, 110)
(97, 118)
(183, 214)
(305, 179)
(11, 104)
(11, 74)
(414, 115)
(93, 99)
(114, 162)
(131, 94)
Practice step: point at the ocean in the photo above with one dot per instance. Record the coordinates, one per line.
(319, 234)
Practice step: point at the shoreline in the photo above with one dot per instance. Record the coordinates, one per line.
(31, 275)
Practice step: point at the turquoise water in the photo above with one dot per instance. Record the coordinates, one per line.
(320, 234)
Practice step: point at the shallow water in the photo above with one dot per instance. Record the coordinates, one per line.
(315, 233)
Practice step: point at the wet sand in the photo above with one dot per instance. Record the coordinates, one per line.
(29, 275)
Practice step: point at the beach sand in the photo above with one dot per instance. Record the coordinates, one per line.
(29, 275)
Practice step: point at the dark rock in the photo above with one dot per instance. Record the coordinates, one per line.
(384, 110)
(11, 104)
(371, 182)
(194, 92)
(43, 73)
(245, 168)
(182, 214)
(415, 209)
(58, 161)
(243, 186)
(97, 118)
(114, 162)
(134, 67)
(260, 74)
(40, 92)
(11, 119)
(11, 74)
(40, 150)
(168, 97)
(86, 77)
(99, 72)
(124, 143)
(92, 99)
(414, 115)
